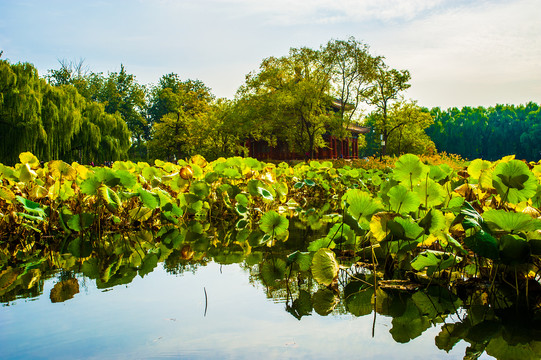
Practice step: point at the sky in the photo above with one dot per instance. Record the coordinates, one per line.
(459, 52)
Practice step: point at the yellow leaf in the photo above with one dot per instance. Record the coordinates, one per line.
(30, 159)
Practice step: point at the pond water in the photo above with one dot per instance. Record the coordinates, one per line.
(207, 311)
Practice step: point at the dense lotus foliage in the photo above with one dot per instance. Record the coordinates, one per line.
(431, 221)
(413, 241)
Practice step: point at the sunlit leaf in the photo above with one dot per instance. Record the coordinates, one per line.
(324, 266)
(273, 223)
(402, 200)
(60, 169)
(514, 181)
(511, 221)
(110, 198)
(409, 170)
(30, 159)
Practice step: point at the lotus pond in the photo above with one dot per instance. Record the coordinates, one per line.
(238, 258)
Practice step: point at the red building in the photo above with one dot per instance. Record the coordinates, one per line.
(336, 148)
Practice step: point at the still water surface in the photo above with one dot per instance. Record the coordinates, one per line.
(163, 316)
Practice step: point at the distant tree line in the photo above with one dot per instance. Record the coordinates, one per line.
(75, 114)
(488, 133)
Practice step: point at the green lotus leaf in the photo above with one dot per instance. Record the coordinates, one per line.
(514, 250)
(483, 244)
(110, 198)
(242, 199)
(403, 201)
(241, 209)
(80, 248)
(265, 193)
(511, 221)
(361, 204)
(80, 222)
(410, 324)
(150, 200)
(321, 243)
(140, 213)
(309, 182)
(298, 185)
(430, 193)
(201, 189)
(359, 298)
(150, 261)
(341, 233)
(409, 170)
(514, 181)
(434, 261)
(404, 229)
(302, 259)
(273, 223)
(31, 207)
(90, 185)
(440, 172)
(477, 166)
(324, 266)
(433, 222)
(301, 306)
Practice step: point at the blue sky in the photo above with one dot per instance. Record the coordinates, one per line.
(459, 53)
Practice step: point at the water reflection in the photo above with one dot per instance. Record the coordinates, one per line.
(208, 311)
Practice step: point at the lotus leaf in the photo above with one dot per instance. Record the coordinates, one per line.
(30, 159)
(273, 223)
(301, 306)
(409, 170)
(26, 174)
(273, 271)
(361, 204)
(514, 250)
(434, 261)
(7, 194)
(477, 166)
(302, 259)
(60, 169)
(514, 181)
(324, 266)
(31, 207)
(403, 201)
(64, 290)
(410, 324)
(483, 244)
(430, 193)
(511, 221)
(110, 198)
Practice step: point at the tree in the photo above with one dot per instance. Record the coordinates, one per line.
(288, 100)
(185, 104)
(387, 86)
(353, 71)
(409, 122)
(54, 122)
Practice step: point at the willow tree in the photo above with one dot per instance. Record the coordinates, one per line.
(54, 122)
(21, 128)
